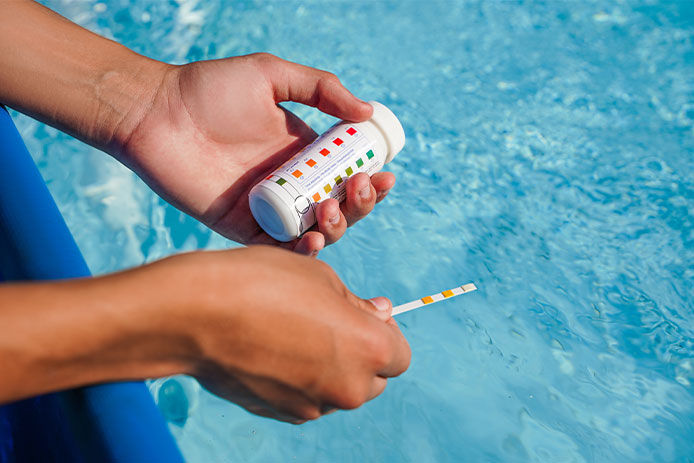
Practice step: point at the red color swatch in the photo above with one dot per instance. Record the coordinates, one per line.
(324, 152)
(338, 141)
(351, 131)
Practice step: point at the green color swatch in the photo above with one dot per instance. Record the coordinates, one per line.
(281, 181)
(370, 154)
(349, 171)
(360, 162)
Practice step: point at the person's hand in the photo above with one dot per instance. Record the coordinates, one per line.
(271, 330)
(201, 135)
(278, 333)
(214, 129)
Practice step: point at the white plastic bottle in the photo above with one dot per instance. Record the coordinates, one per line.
(284, 203)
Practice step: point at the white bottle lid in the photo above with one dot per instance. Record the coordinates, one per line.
(391, 128)
(272, 208)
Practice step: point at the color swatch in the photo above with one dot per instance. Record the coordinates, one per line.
(314, 162)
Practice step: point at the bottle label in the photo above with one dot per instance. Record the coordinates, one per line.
(321, 169)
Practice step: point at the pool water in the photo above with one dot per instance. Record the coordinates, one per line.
(550, 160)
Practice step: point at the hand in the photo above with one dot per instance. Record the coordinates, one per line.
(280, 334)
(201, 135)
(273, 331)
(214, 130)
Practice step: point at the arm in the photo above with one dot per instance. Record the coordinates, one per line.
(194, 135)
(211, 315)
(88, 86)
(201, 135)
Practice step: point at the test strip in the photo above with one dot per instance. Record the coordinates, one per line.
(457, 291)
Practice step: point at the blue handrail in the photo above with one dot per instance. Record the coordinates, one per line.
(116, 422)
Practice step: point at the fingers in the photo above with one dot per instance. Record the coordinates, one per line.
(331, 222)
(360, 199)
(363, 193)
(400, 355)
(310, 243)
(313, 87)
(378, 385)
(394, 353)
(381, 307)
(382, 182)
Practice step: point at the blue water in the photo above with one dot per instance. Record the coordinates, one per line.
(550, 159)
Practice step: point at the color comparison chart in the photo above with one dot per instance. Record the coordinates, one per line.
(343, 153)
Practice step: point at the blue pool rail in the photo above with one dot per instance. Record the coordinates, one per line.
(116, 422)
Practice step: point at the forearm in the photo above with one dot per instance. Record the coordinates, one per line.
(70, 78)
(55, 336)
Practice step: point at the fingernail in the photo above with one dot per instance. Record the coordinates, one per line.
(365, 192)
(334, 219)
(382, 308)
(382, 195)
(381, 304)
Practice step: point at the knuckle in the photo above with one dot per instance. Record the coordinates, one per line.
(378, 351)
(408, 355)
(325, 268)
(353, 395)
(330, 79)
(264, 59)
(264, 56)
(308, 413)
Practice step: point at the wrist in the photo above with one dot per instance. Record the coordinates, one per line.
(203, 293)
(119, 327)
(70, 78)
(123, 94)
(159, 319)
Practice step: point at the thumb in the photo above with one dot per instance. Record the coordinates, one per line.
(313, 87)
(381, 307)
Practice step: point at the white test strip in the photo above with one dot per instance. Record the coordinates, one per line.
(449, 293)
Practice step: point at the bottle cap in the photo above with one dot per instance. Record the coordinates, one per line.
(273, 209)
(391, 128)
